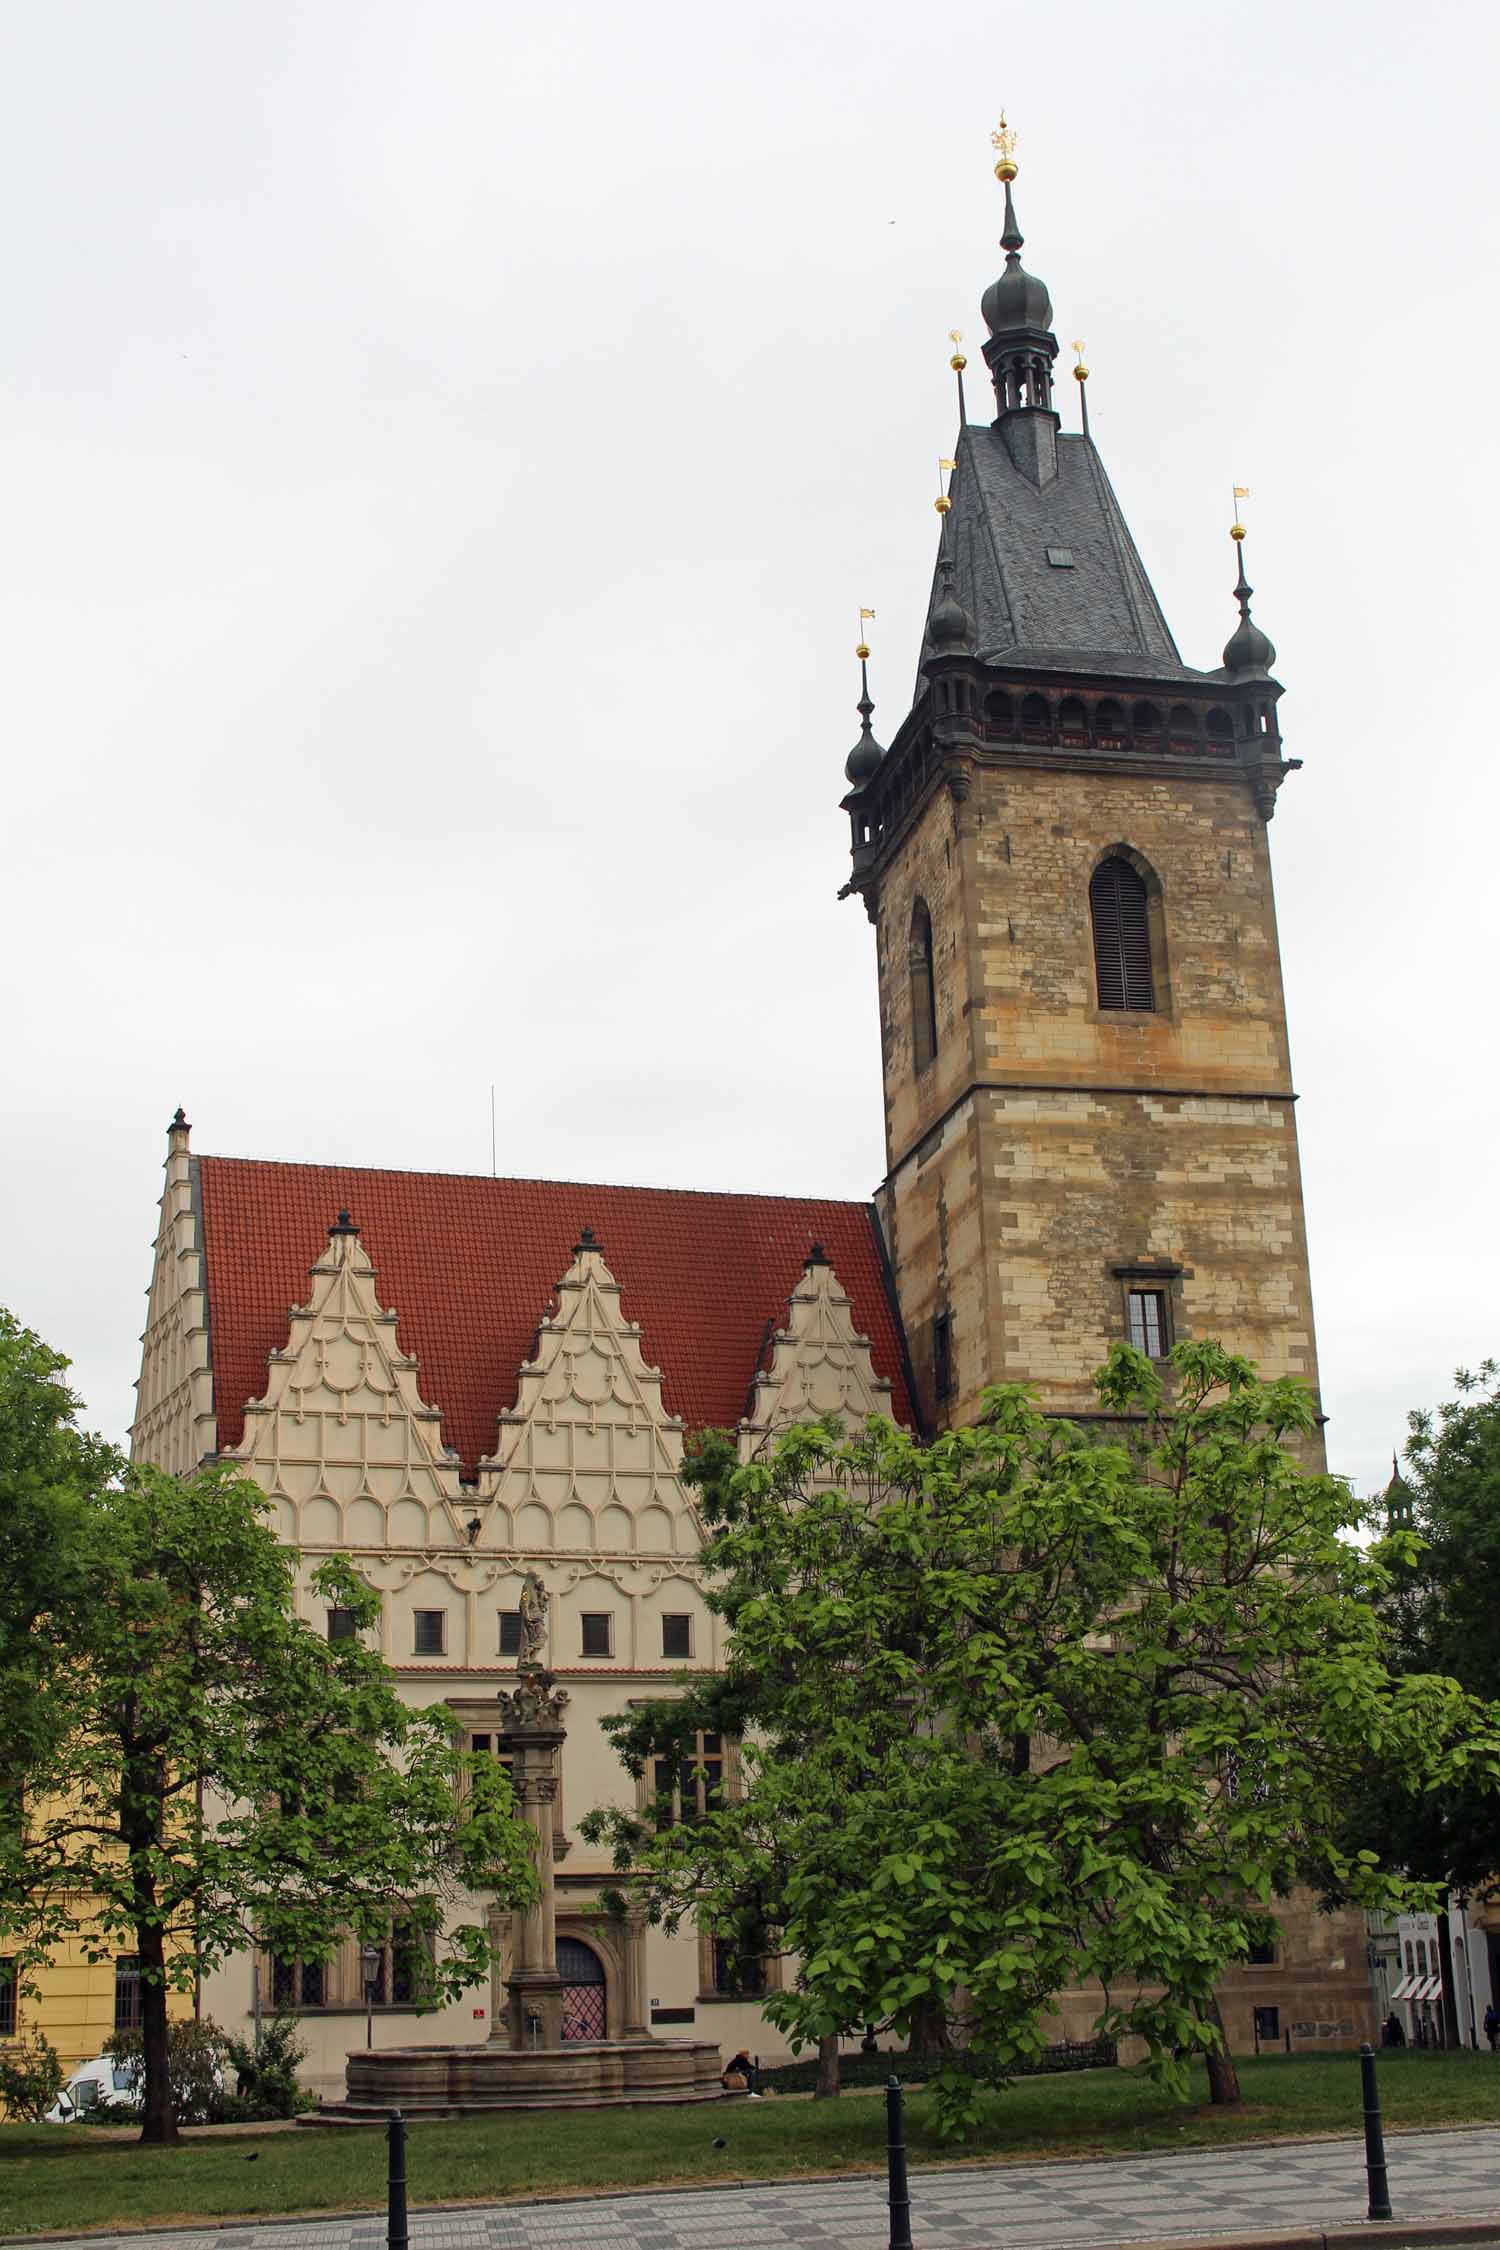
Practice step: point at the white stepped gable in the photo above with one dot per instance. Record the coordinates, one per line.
(343, 1438)
(588, 1459)
(174, 1419)
(820, 1364)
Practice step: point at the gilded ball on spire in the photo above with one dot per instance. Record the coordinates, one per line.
(1003, 141)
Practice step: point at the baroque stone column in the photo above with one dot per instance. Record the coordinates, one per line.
(498, 1921)
(635, 2025)
(531, 1719)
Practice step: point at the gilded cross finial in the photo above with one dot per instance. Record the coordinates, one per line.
(1003, 142)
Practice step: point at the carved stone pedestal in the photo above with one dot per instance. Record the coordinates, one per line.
(531, 1719)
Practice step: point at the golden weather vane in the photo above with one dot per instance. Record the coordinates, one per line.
(1237, 529)
(1003, 142)
(863, 649)
(945, 467)
(958, 363)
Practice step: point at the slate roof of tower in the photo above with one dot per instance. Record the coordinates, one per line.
(471, 1265)
(1099, 616)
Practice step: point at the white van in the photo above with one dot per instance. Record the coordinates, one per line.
(100, 2084)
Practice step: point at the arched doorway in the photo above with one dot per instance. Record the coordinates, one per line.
(582, 1972)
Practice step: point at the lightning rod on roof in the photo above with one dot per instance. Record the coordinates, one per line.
(492, 1130)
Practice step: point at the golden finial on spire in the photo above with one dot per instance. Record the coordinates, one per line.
(1237, 529)
(1080, 372)
(958, 363)
(942, 503)
(1003, 141)
(863, 650)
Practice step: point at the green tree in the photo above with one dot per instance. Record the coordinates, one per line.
(208, 1773)
(48, 1470)
(1024, 1709)
(1440, 1608)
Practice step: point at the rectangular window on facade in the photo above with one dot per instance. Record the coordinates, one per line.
(299, 1984)
(1262, 1956)
(676, 1635)
(1268, 2023)
(127, 1993)
(598, 1633)
(1146, 1318)
(411, 1952)
(510, 1632)
(341, 1624)
(8, 1983)
(687, 1790)
(942, 1355)
(739, 1974)
(429, 1632)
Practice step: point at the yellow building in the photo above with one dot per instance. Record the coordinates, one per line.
(78, 2003)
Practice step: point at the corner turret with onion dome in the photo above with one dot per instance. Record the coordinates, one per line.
(864, 760)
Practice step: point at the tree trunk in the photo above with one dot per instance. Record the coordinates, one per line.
(1223, 2077)
(929, 2029)
(159, 2115)
(828, 2069)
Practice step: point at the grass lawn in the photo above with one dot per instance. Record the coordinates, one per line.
(76, 2177)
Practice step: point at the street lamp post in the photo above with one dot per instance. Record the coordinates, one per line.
(369, 1961)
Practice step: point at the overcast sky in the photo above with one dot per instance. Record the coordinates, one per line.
(443, 452)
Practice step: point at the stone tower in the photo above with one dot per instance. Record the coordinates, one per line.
(1089, 1113)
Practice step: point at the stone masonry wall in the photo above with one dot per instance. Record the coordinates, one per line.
(1051, 1142)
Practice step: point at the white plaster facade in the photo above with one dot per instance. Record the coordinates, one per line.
(584, 1487)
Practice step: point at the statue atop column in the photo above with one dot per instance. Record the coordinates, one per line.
(534, 1600)
(533, 1725)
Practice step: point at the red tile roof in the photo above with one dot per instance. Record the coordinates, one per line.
(471, 1265)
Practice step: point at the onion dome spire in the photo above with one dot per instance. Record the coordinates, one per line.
(864, 759)
(1017, 308)
(1248, 653)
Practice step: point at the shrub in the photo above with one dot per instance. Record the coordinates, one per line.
(196, 2054)
(267, 2074)
(31, 2077)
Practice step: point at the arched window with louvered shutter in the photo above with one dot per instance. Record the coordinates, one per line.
(1120, 910)
(923, 989)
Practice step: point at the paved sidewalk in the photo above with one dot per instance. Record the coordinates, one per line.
(1235, 2193)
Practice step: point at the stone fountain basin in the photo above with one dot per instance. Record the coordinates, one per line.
(461, 2081)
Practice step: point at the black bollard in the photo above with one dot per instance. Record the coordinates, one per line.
(895, 2159)
(395, 2225)
(1380, 2193)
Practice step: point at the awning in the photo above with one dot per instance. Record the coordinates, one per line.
(1419, 1988)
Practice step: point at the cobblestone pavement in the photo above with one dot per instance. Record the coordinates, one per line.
(1023, 2206)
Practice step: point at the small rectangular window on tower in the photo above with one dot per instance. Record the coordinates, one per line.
(1061, 558)
(1146, 1317)
(942, 1355)
(598, 1633)
(510, 1632)
(428, 1637)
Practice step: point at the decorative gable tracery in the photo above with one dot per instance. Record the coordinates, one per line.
(819, 1364)
(343, 1440)
(588, 1460)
